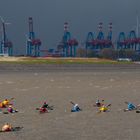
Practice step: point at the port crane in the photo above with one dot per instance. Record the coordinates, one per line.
(68, 45)
(99, 42)
(6, 46)
(33, 43)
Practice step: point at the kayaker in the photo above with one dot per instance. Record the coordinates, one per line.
(130, 106)
(6, 127)
(5, 102)
(45, 105)
(75, 108)
(11, 110)
(98, 103)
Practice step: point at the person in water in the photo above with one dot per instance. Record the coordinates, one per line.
(75, 108)
(7, 127)
(130, 106)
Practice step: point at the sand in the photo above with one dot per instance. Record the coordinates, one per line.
(31, 88)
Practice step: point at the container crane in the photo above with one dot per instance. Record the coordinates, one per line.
(33, 43)
(100, 42)
(6, 47)
(68, 45)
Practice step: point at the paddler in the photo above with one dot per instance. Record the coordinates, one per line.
(7, 127)
(75, 108)
(6, 102)
(11, 109)
(130, 106)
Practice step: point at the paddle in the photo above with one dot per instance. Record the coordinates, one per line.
(108, 105)
(72, 103)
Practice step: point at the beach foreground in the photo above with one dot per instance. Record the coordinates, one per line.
(31, 88)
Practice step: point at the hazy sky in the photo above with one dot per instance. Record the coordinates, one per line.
(49, 15)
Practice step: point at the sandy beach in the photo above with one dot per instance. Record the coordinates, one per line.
(31, 86)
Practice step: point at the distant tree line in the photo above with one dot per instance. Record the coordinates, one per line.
(109, 53)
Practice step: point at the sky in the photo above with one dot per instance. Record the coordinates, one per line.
(49, 16)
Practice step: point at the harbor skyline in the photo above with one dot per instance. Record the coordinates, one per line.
(82, 16)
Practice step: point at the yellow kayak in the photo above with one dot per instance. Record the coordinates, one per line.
(103, 109)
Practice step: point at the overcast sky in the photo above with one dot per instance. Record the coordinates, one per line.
(49, 15)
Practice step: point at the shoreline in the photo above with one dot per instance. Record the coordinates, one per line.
(30, 64)
(12, 67)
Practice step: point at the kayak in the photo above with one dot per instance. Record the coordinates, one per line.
(13, 129)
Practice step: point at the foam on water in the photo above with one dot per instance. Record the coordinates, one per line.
(48, 87)
(52, 80)
(111, 80)
(134, 90)
(24, 89)
(36, 74)
(36, 87)
(104, 88)
(9, 82)
(97, 86)
(90, 84)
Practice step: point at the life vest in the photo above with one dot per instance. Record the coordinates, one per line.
(10, 109)
(5, 102)
(131, 106)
